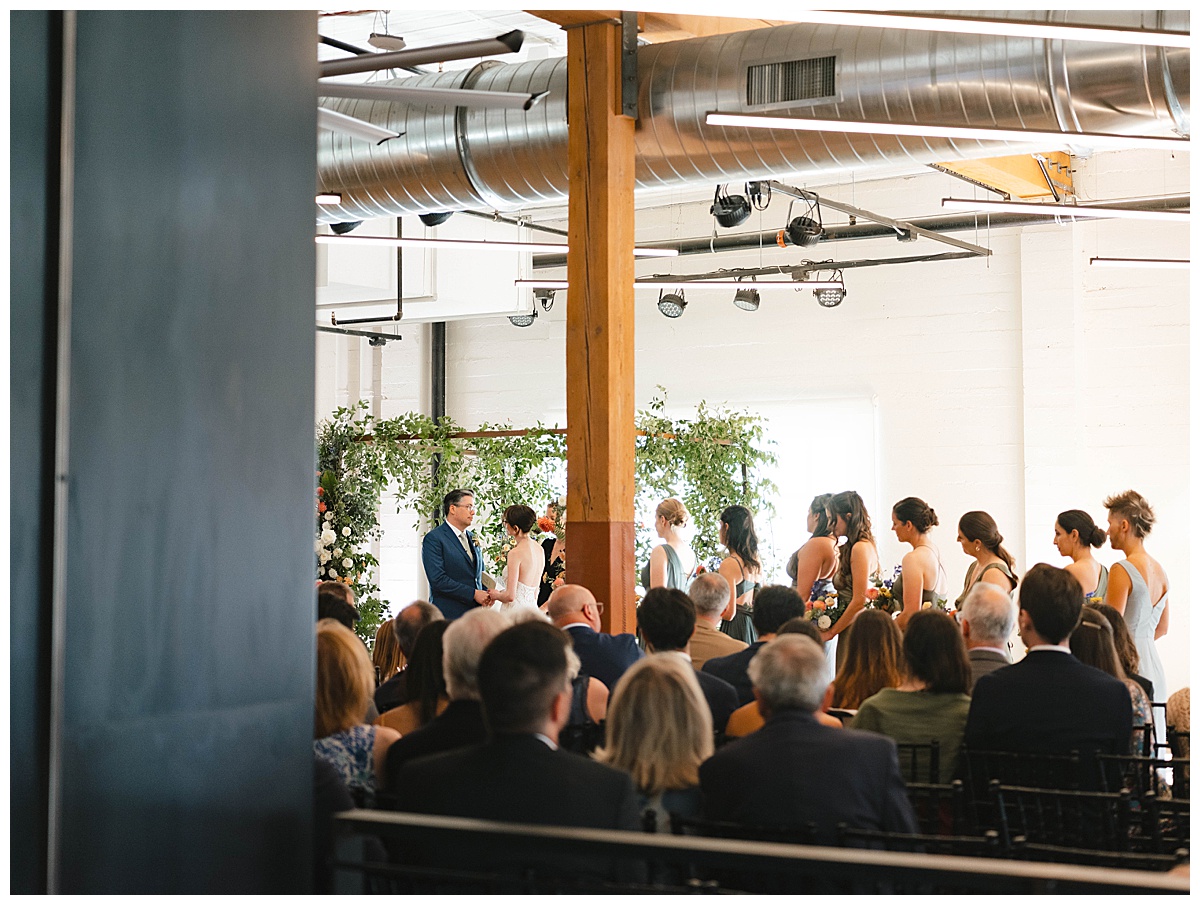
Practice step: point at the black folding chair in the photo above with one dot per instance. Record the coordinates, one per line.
(1100, 821)
(920, 762)
(1165, 824)
(941, 809)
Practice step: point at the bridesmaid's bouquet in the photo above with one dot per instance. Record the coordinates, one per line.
(824, 611)
(880, 596)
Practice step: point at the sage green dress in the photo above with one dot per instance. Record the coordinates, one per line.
(917, 718)
(676, 576)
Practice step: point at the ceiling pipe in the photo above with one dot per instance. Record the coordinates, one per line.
(509, 42)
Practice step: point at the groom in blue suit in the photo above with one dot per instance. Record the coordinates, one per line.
(452, 559)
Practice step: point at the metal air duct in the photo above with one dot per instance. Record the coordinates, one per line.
(492, 159)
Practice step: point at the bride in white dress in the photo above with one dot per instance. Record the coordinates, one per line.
(526, 563)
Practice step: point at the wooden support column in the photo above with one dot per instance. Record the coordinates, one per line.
(600, 434)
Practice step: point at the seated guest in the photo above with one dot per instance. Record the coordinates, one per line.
(461, 723)
(589, 702)
(988, 618)
(794, 771)
(1092, 643)
(335, 600)
(385, 653)
(1179, 722)
(931, 703)
(519, 774)
(426, 683)
(659, 731)
(344, 682)
(773, 606)
(747, 719)
(1127, 651)
(666, 618)
(604, 657)
(871, 660)
(406, 626)
(1049, 702)
(710, 595)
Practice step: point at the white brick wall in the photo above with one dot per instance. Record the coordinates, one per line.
(1023, 384)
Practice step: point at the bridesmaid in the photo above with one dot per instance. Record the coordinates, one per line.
(922, 580)
(672, 562)
(742, 570)
(812, 566)
(1074, 535)
(857, 562)
(981, 539)
(1138, 585)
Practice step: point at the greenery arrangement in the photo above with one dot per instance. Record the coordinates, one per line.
(709, 462)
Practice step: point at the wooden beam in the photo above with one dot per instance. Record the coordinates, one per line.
(1019, 175)
(600, 408)
(663, 27)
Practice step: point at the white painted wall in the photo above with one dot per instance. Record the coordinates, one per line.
(1022, 384)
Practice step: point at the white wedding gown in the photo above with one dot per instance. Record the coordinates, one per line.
(524, 597)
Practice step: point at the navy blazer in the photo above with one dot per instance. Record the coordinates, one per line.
(1049, 703)
(453, 578)
(794, 771)
(734, 670)
(603, 656)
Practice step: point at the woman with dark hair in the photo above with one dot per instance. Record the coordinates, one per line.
(1137, 585)
(922, 580)
(857, 561)
(981, 540)
(871, 661)
(1074, 535)
(1092, 643)
(426, 683)
(1127, 651)
(526, 562)
(742, 570)
(931, 703)
(812, 566)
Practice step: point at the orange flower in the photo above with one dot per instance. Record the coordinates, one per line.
(545, 524)
(320, 491)
(819, 605)
(320, 505)
(872, 593)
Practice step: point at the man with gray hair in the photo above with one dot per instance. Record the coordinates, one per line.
(710, 595)
(795, 772)
(988, 618)
(461, 723)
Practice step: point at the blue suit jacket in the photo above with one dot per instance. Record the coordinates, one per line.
(603, 656)
(453, 578)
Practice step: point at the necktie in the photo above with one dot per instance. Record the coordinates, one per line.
(466, 546)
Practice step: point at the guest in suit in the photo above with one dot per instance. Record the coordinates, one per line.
(988, 618)
(519, 774)
(666, 618)
(461, 723)
(604, 657)
(773, 606)
(1049, 702)
(452, 559)
(710, 595)
(794, 771)
(406, 626)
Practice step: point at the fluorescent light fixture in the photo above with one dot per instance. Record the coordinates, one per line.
(451, 97)
(1072, 211)
(329, 198)
(688, 284)
(418, 242)
(333, 121)
(510, 42)
(1015, 28)
(1155, 263)
(1100, 140)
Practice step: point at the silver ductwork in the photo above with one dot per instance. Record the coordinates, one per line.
(494, 159)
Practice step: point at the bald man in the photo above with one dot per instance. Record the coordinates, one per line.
(573, 608)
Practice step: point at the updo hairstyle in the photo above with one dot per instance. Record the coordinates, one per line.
(917, 511)
(1078, 520)
(1132, 505)
(673, 511)
(979, 526)
(520, 517)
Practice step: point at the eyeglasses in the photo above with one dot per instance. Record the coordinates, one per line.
(599, 606)
(470, 507)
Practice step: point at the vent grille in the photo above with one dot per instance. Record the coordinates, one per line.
(794, 80)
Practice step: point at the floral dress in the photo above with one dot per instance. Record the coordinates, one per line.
(352, 753)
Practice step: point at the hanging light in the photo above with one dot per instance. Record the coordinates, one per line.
(523, 320)
(671, 304)
(746, 299)
(831, 296)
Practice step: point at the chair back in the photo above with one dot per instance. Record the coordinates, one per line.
(1068, 818)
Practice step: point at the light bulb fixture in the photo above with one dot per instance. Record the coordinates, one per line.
(1014, 28)
(746, 299)
(729, 210)
(1047, 140)
(422, 242)
(545, 298)
(671, 304)
(523, 320)
(1065, 211)
(1152, 263)
(830, 294)
(329, 198)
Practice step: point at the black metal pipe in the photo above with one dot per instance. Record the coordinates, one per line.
(496, 218)
(437, 385)
(360, 51)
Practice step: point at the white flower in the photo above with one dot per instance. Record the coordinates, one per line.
(324, 557)
(318, 546)
(824, 622)
(347, 563)
(328, 516)
(337, 551)
(562, 502)
(332, 573)
(346, 531)
(328, 537)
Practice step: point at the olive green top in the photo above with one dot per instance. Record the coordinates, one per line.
(916, 718)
